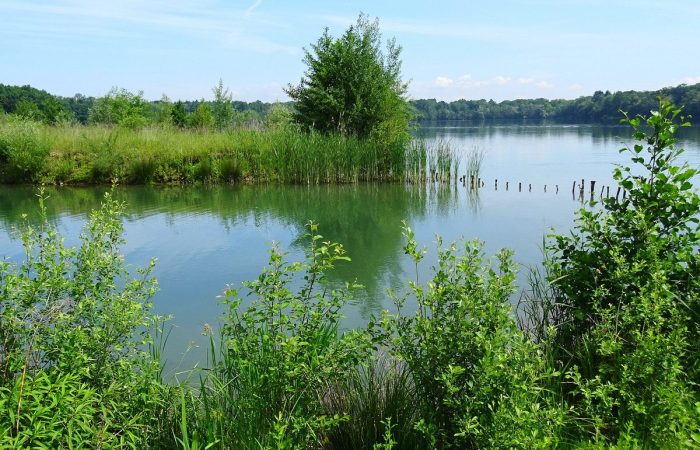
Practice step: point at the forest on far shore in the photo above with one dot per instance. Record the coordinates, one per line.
(601, 107)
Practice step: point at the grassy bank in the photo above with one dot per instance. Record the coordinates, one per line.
(605, 354)
(31, 152)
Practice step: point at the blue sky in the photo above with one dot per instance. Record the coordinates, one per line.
(452, 49)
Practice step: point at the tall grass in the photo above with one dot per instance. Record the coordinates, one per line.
(431, 161)
(98, 154)
(372, 394)
(475, 158)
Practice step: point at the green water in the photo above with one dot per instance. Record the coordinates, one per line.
(205, 238)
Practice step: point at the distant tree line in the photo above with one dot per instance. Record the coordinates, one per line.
(601, 107)
(121, 105)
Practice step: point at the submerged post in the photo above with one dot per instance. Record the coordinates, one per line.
(520, 186)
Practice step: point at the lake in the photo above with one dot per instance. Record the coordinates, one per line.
(205, 238)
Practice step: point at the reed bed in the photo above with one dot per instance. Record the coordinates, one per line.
(431, 161)
(97, 155)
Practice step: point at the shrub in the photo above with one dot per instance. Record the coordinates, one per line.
(352, 87)
(280, 354)
(23, 150)
(73, 326)
(202, 118)
(120, 107)
(222, 106)
(626, 287)
(476, 375)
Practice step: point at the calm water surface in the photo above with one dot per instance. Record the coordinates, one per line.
(205, 238)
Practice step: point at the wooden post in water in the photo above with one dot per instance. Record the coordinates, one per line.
(545, 188)
(582, 187)
(507, 185)
(602, 188)
(573, 188)
(624, 194)
(529, 187)
(520, 186)
(592, 189)
(607, 191)
(618, 193)
(557, 188)
(495, 184)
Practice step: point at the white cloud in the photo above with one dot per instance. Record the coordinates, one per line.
(444, 82)
(467, 81)
(529, 81)
(501, 80)
(575, 87)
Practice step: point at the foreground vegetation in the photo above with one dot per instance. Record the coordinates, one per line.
(604, 354)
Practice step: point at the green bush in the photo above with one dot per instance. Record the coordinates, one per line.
(280, 355)
(626, 288)
(74, 323)
(120, 107)
(23, 150)
(352, 87)
(477, 377)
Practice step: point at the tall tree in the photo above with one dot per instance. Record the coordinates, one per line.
(353, 87)
(222, 107)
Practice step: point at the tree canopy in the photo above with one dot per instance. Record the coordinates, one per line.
(352, 86)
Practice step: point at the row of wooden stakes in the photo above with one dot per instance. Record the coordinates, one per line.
(477, 182)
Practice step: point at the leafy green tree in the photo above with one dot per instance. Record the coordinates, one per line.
(202, 118)
(28, 110)
(222, 107)
(54, 111)
(353, 87)
(278, 116)
(120, 107)
(178, 114)
(164, 111)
